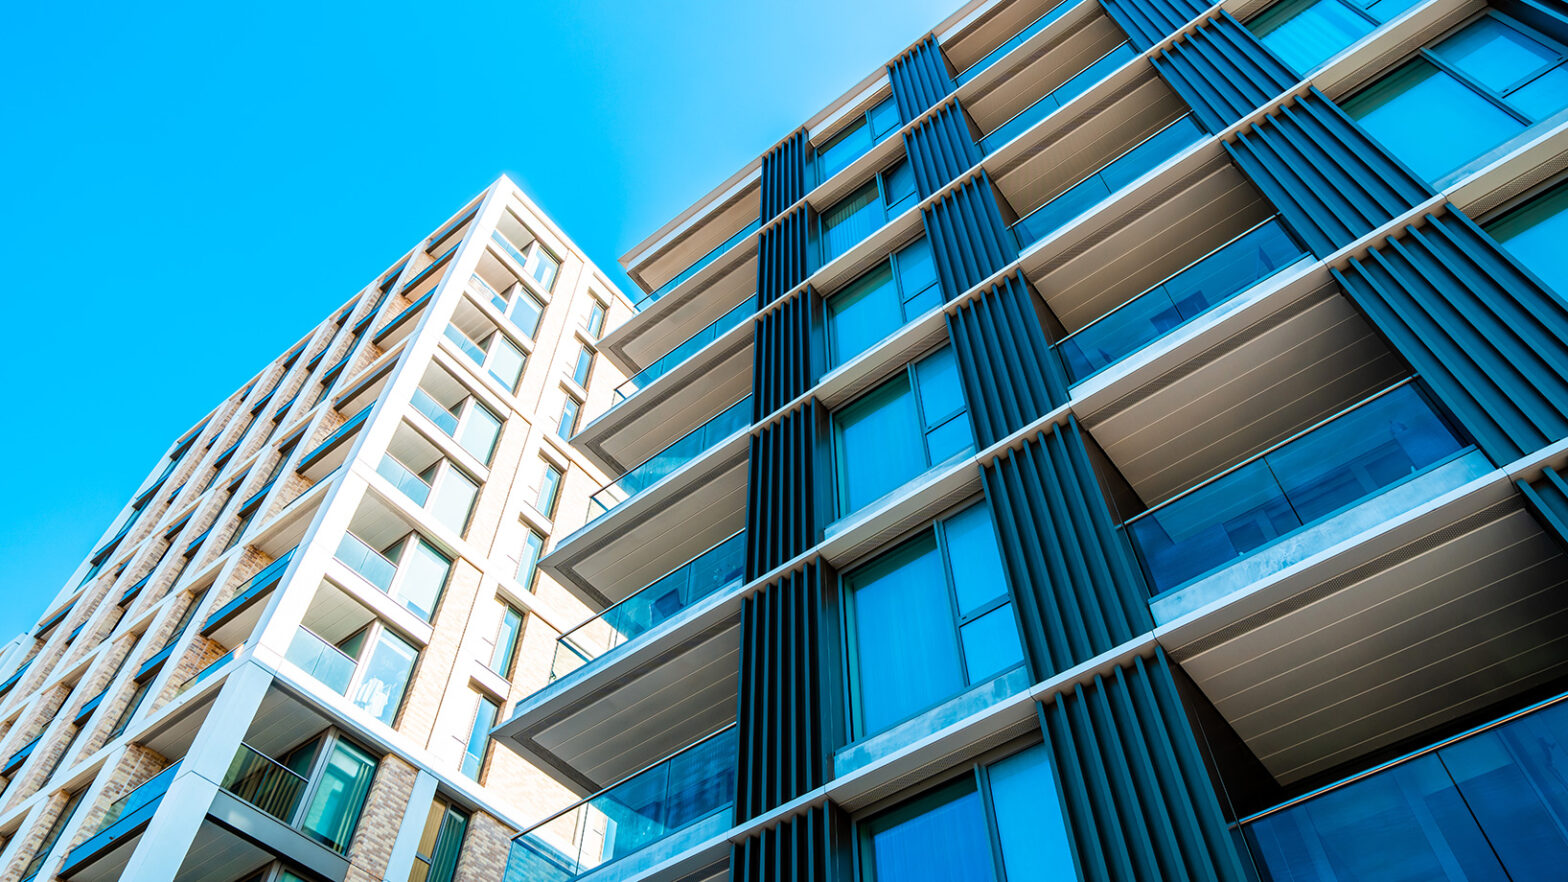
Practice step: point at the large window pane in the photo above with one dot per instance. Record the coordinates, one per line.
(478, 432)
(939, 839)
(991, 644)
(1494, 54)
(386, 676)
(506, 362)
(975, 558)
(1029, 818)
(454, 500)
(339, 796)
(855, 217)
(879, 445)
(1535, 234)
(421, 576)
(1430, 120)
(479, 737)
(906, 655)
(1306, 33)
(863, 314)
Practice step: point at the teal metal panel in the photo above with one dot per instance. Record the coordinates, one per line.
(786, 355)
(920, 78)
(1223, 72)
(782, 257)
(1147, 22)
(1331, 182)
(1137, 798)
(941, 148)
(1489, 341)
(781, 735)
(1011, 374)
(810, 847)
(781, 508)
(968, 237)
(784, 175)
(1077, 589)
(1548, 498)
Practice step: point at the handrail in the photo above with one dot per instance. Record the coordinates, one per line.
(697, 265)
(741, 405)
(664, 365)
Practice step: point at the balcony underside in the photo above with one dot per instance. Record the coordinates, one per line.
(1438, 615)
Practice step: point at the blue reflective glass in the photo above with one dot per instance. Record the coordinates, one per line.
(884, 119)
(1430, 120)
(1543, 96)
(941, 392)
(975, 558)
(899, 182)
(863, 314)
(991, 644)
(1386, 10)
(1512, 778)
(906, 656)
(852, 219)
(1306, 33)
(878, 445)
(1494, 54)
(941, 839)
(1029, 824)
(1535, 234)
(1017, 40)
(916, 271)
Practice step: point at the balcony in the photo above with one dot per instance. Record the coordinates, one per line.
(369, 563)
(444, 419)
(125, 817)
(212, 667)
(735, 418)
(265, 783)
(648, 817)
(317, 461)
(742, 311)
(1322, 473)
(1018, 39)
(698, 265)
(320, 659)
(1488, 803)
(718, 569)
(1212, 279)
(1052, 101)
(408, 483)
(225, 623)
(1090, 191)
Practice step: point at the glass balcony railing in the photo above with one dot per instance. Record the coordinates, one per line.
(720, 567)
(716, 329)
(475, 353)
(212, 667)
(1113, 176)
(264, 783)
(507, 246)
(320, 659)
(1018, 39)
(349, 425)
(263, 581)
(1212, 279)
(682, 451)
(1489, 803)
(361, 558)
(698, 264)
(411, 485)
(123, 815)
(444, 419)
(1350, 457)
(675, 795)
(1078, 84)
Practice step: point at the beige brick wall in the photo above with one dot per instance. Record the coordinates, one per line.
(33, 836)
(485, 846)
(201, 653)
(371, 848)
(437, 662)
(137, 766)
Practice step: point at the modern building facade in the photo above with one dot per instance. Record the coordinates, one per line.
(1119, 440)
(284, 658)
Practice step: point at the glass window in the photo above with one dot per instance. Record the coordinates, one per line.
(479, 430)
(385, 676)
(567, 425)
(904, 427)
(453, 500)
(542, 266)
(505, 362)
(422, 574)
(339, 796)
(929, 619)
(583, 367)
(946, 834)
(1306, 33)
(506, 641)
(872, 307)
(137, 697)
(1463, 97)
(850, 220)
(843, 148)
(595, 322)
(526, 311)
(549, 491)
(479, 736)
(1534, 233)
(435, 860)
(533, 547)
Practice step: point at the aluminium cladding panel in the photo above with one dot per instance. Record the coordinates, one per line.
(1147, 22)
(1548, 498)
(810, 847)
(1222, 71)
(1330, 182)
(941, 147)
(783, 259)
(968, 237)
(1069, 566)
(784, 174)
(782, 731)
(1487, 338)
(920, 78)
(1011, 374)
(781, 491)
(785, 359)
(1137, 798)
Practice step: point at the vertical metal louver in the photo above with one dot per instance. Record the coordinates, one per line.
(941, 148)
(968, 237)
(781, 510)
(1223, 72)
(1011, 375)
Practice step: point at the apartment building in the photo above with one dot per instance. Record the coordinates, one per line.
(1119, 440)
(284, 658)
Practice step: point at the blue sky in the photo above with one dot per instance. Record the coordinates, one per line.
(190, 187)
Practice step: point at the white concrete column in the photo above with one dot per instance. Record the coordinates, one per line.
(169, 836)
(403, 850)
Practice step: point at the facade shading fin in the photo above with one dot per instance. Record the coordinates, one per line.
(782, 257)
(1149, 21)
(1011, 375)
(968, 236)
(1222, 71)
(782, 359)
(784, 171)
(941, 148)
(781, 517)
(920, 78)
